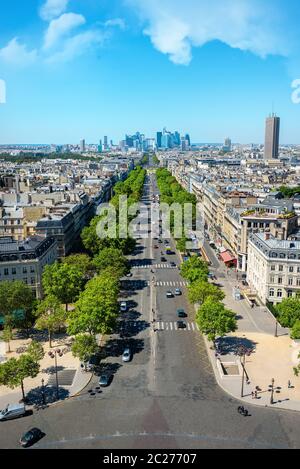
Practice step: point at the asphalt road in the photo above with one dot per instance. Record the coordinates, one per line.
(167, 397)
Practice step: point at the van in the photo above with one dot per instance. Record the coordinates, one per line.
(12, 412)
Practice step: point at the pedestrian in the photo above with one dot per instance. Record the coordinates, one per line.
(289, 384)
(252, 395)
(256, 395)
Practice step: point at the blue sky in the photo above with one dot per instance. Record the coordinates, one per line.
(88, 68)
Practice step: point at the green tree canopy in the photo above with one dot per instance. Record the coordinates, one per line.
(36, 351)
(97, 309)
(111, 257)
(215, 320)
(84, 346)
(194, 269)
(16, 296)
(200, 290)
(82, 262)
(14, 371)
(50, 316)
(288, 311)
(63, 281)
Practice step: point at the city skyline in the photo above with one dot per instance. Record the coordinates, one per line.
(88, 69)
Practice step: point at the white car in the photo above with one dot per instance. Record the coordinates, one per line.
(123, 307)
(126, 357)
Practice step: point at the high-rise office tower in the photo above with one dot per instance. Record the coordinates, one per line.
(187, 137)
(272, 137)
(82, 145)
(227, 145)
(177, 139)
(105, 142)
(158, 139)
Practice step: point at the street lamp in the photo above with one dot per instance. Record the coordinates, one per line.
(43, 392)
(242, 353)
(276, 329)
(272, 391)
(53, 354)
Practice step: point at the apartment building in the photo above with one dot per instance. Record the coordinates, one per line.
(25, 260)
(273, 267)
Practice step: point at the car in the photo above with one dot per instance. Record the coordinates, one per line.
(173, 264)
(129, 275)
(127, 355)
(181, 324)
(163, 259)
(160, 241)
(31, 437)
(155, 247)
(105, 380)
(181, 313)
(12, 412)
(169, 294)
(123, 307)
(178, 292)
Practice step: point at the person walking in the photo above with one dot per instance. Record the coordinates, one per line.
(252, 395)
(289, 384)
(255, 395)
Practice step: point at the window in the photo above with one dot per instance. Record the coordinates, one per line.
(290, 293)
(32, 280)
(280, 268)
(298, 282)
(24, 270)
(279, 293)
(291, 269)
(298, 270)
(273, 268)
(13, 271)
(272, 279)
(32, 269)
(272, 292)
(290, 282)
(6, 272)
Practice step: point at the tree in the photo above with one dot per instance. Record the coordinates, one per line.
(36, 351)
(194, 269)
(7, 335)
(215, 320)
(288, 311)
(97, 309)
(84, 346)
(17, 297)
(63, 281)
(181, 245)
(51, 316)
(14, 371)
(295, 333)
(200, 290)
(82, 262)
(111, 257)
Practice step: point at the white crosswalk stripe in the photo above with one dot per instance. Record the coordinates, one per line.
(172, 327)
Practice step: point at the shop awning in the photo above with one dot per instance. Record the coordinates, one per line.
(227, 257)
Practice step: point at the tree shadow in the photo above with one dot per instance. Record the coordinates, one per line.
(233, 345)
(115, 347)
(107, 368)
(51, 370)
(140, 262)
(35, 395)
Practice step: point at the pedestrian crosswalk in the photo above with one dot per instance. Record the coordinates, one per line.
(172, 284)
(172, 326)
(155, 266)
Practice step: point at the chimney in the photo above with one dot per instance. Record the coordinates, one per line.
(267, 235)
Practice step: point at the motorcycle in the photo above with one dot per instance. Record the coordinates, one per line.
(243, 411)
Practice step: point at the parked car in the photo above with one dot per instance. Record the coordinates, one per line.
(127, 355)
(169, 294)
(173, 264)
(12, 412)
(181, 313)
(181, 324)
(129, 275)
(123, 307)
(92, 363)
(31, 437)
(163, 259)
(105, 380)
(178, 292)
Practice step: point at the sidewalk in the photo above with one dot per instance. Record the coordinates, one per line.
(271, 358)
(261, 367)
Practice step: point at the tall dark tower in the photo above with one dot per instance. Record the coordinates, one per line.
(272, 137)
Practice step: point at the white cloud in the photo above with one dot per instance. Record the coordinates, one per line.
(15, 53)
(53, 8)
(176, 26)
(77, 46)
(118, 22)
(62, 26)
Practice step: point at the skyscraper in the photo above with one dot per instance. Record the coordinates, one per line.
(158, 139)
(82, 145)
(105, 142)
(187, 137)
(272, 137)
